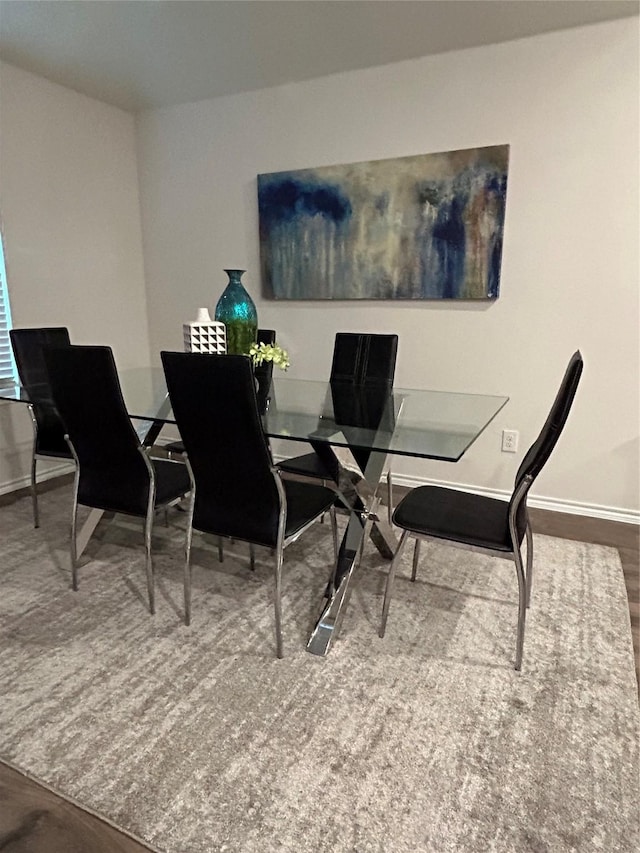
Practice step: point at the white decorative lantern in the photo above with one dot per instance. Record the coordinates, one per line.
(204, 334)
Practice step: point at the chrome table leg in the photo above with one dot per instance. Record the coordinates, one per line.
(364, 502)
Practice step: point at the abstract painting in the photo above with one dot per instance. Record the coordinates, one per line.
(421, 227)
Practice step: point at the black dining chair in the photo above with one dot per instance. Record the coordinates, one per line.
(262, 373)
(48, 430)
(236, 491)
(113, 469)
(485, 524)
(359, 361)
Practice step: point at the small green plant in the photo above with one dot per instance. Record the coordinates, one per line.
(269, 352)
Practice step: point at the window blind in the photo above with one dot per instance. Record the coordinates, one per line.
(7, 365)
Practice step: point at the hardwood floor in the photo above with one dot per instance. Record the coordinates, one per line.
(35, 820)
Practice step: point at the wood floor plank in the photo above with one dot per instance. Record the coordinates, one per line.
(35, 820)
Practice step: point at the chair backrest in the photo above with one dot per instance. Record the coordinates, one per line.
(539, 452)
(266, 336)
(28, 350)
(363, 359)
(263, 372)
(87, 394)
(367, 408)
(216, 410)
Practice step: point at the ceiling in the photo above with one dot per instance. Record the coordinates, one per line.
(144, 54)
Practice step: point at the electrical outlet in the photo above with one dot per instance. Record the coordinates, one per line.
(510, 440)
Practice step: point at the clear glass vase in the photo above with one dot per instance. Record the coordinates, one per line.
(237, 311)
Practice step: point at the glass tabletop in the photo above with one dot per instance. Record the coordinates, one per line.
(403, 421)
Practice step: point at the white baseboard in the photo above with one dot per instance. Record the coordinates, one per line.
(25, 481)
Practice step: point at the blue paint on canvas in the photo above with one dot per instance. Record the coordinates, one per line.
(287, 200)
(426, 227)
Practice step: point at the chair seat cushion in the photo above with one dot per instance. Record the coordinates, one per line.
(304, 502)
(172, 480)
(174, 447)
(103, 489)
(308, 465)
(455, 516)
(247, 521)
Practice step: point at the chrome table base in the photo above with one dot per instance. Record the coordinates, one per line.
(363, 519)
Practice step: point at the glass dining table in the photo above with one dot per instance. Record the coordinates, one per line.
(358, 427)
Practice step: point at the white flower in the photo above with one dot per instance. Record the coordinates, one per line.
(269, 352)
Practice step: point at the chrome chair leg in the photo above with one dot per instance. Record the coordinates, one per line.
(390, 577)
(148, 526)
(368, 524)
(187, 555)
(148, 565)
(529, 535)
(278, 602)
(389, 497)
(34, 493)
(74, 519)
(522, 607)
(416, 557)
(187, 581)
(74, 547)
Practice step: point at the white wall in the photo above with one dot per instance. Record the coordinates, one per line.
(567, 103)
(71, 224)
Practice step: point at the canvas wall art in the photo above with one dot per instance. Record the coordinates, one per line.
(421, 227)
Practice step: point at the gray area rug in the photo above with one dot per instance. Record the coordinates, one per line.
(199, 740)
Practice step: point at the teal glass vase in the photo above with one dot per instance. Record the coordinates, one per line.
(237, 311)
